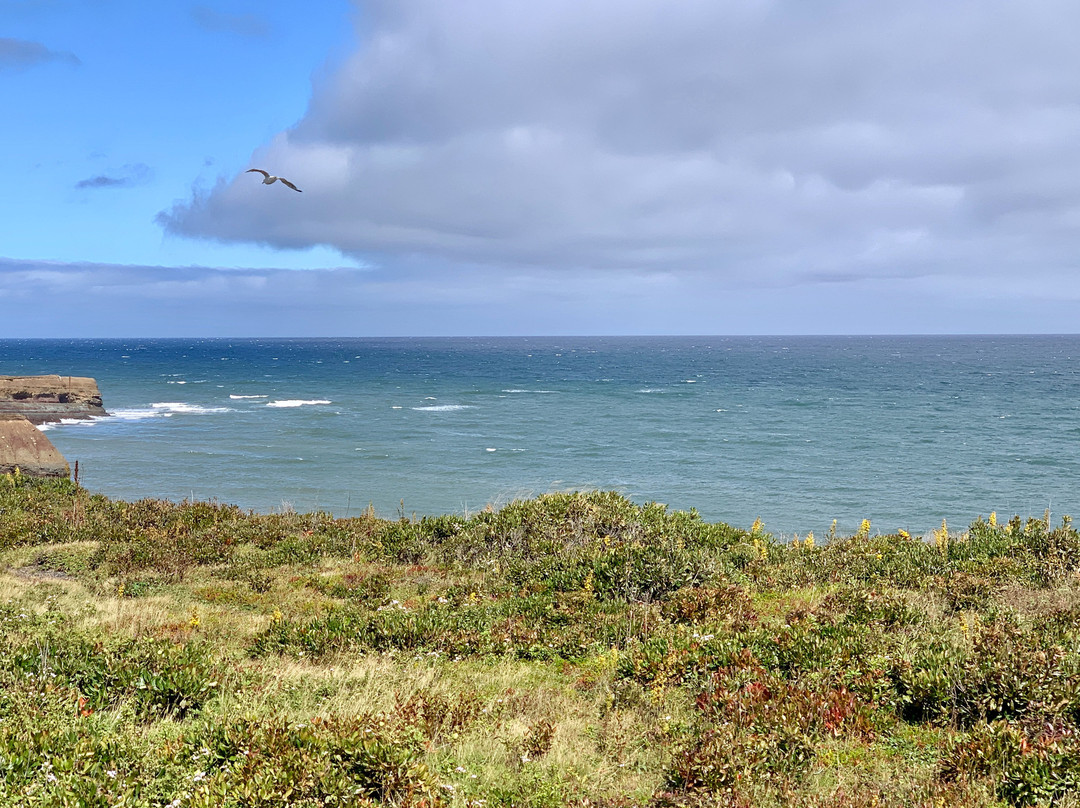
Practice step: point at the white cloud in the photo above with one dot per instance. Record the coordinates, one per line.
(758, 142)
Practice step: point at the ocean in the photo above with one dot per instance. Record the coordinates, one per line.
(796, 431)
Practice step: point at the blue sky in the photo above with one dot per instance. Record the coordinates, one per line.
(133, 103)
(571, 167)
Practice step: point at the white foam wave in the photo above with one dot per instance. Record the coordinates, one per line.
(67, 422)
(180, 406)
(138, 413)
(239, 397)
(444, 408)
(652, 390)
(161, 409)
(529, 391)
(296, 402)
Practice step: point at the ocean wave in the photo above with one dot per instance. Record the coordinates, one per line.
(172, 407)
(529, 391)
(161, 409)
(652, 390)
(444, 408)
(239, 397)
(296, 402)
(137, 413)
(68, 422)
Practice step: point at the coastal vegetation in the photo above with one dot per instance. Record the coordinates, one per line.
(572, 649)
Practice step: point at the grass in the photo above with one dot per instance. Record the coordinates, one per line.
(573, 649)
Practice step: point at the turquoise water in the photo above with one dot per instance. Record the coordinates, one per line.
(798, 431)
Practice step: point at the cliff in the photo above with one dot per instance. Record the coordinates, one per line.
(23, 445)
(41, 399)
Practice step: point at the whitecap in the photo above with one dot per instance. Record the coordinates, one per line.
(180, 406)
(237, 397)
(67, 422)
(651, 390)
(296, 402)
(489, 449)
(138, 413)
(444, 408)
(517, 390)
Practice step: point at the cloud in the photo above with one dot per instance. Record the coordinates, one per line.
(763, 143)
(129, 175)
(249, 25)
(57, 299)
(20, 54)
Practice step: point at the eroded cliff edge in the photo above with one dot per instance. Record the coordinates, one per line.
(44, 399)
(24, 446)
(26, 401)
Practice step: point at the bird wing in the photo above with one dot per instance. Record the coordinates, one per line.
(264, 173)
(282, 179)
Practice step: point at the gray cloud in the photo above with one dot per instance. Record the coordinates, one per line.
(754, 142)
(218, 22)
(129, 175)
(19, 54)
(55, 299)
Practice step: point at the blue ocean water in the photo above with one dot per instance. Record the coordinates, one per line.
(904, 431)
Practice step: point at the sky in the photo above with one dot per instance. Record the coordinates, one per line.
(500, 167)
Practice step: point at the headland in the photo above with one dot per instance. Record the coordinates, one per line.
(27, 401)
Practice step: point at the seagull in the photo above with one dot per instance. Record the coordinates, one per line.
(270, 179)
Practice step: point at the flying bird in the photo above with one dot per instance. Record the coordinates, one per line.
(270, 179)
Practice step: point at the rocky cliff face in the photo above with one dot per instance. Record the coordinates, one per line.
(41, 399)
(24, 446)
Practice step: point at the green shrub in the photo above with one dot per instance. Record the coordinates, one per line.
(275, 763)
(156, 677)
(1027, 763)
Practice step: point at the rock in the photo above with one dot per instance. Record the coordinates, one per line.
(23, 445)
(42, 399)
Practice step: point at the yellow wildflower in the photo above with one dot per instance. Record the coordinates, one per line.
(809, 540)
(993, 519)
(941, 537)
(904, 534)
(864, 529)
(193, 621)
(758, 526)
